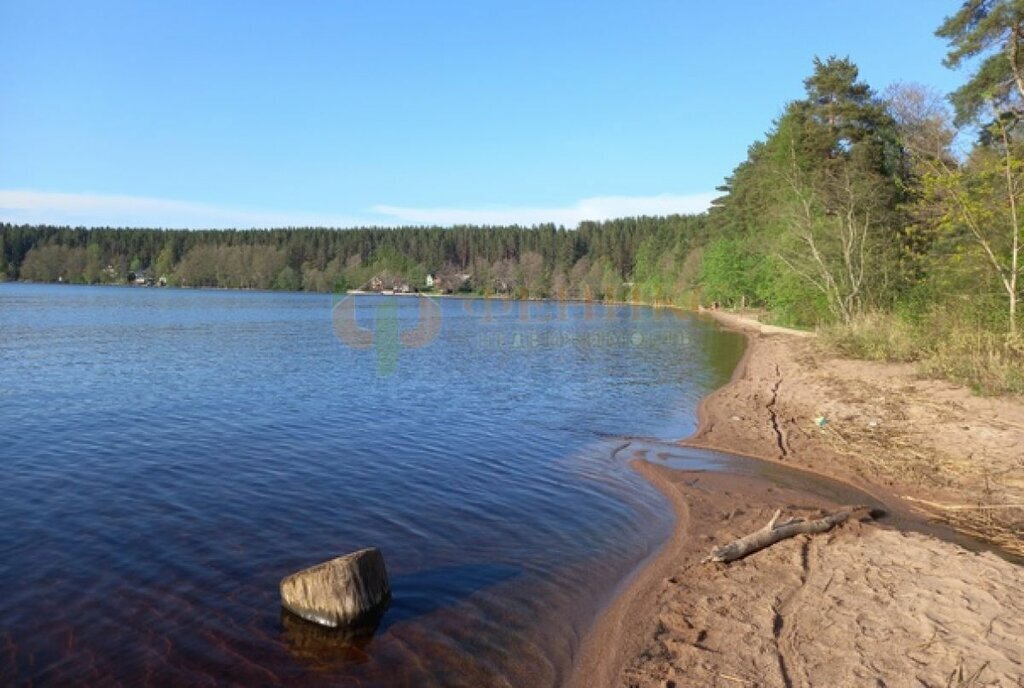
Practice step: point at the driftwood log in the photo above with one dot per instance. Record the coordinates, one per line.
(775, 532)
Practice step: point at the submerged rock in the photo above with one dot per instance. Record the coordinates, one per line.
(339, 592)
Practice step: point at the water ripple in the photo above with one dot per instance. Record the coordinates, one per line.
(170, 455)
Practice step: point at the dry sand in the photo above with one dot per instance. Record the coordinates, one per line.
(951, 455)
(864, 605)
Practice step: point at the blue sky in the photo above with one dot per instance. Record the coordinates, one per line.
(217, 114)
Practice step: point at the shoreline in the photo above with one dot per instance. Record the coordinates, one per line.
(465, 296)
(928, 448)
(706, 419)
(647, 635)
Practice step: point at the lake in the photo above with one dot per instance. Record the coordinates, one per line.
(169, 455)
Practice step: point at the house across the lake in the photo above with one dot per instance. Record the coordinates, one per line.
(385, 283)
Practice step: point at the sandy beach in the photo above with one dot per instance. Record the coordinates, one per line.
(901, 601)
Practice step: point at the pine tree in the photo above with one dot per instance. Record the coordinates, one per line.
(997, 84)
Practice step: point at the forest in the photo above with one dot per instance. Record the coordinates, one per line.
(649, 259)
(890, 221)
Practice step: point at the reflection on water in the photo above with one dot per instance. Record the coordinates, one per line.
(169, 456)
(413, 595)
(322, 648)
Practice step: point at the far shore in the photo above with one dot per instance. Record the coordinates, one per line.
(901, 601)
(365, 292)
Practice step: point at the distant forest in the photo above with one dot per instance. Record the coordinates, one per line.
(644, 259)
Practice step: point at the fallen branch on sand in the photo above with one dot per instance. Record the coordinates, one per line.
(775, 532)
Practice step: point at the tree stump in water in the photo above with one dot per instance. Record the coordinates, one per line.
(339, 592)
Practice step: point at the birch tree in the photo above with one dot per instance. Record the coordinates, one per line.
(983, 197)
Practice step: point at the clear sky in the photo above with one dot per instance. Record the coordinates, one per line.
(223, 113)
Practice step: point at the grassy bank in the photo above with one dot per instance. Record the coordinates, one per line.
(946, 345)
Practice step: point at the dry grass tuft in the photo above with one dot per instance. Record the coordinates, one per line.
(990, 363)
(874, 337)
(898, 456)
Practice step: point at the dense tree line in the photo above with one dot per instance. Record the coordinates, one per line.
(644, 257)
(858, 203)
(810, 223)
(894, 219)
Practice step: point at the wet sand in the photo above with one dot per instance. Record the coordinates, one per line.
(869, 603)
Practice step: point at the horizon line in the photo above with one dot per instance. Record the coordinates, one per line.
(109, 211)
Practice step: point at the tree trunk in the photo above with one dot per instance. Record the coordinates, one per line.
(1011, 283)
(1013, 310)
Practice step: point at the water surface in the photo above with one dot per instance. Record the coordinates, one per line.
(169, 455)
